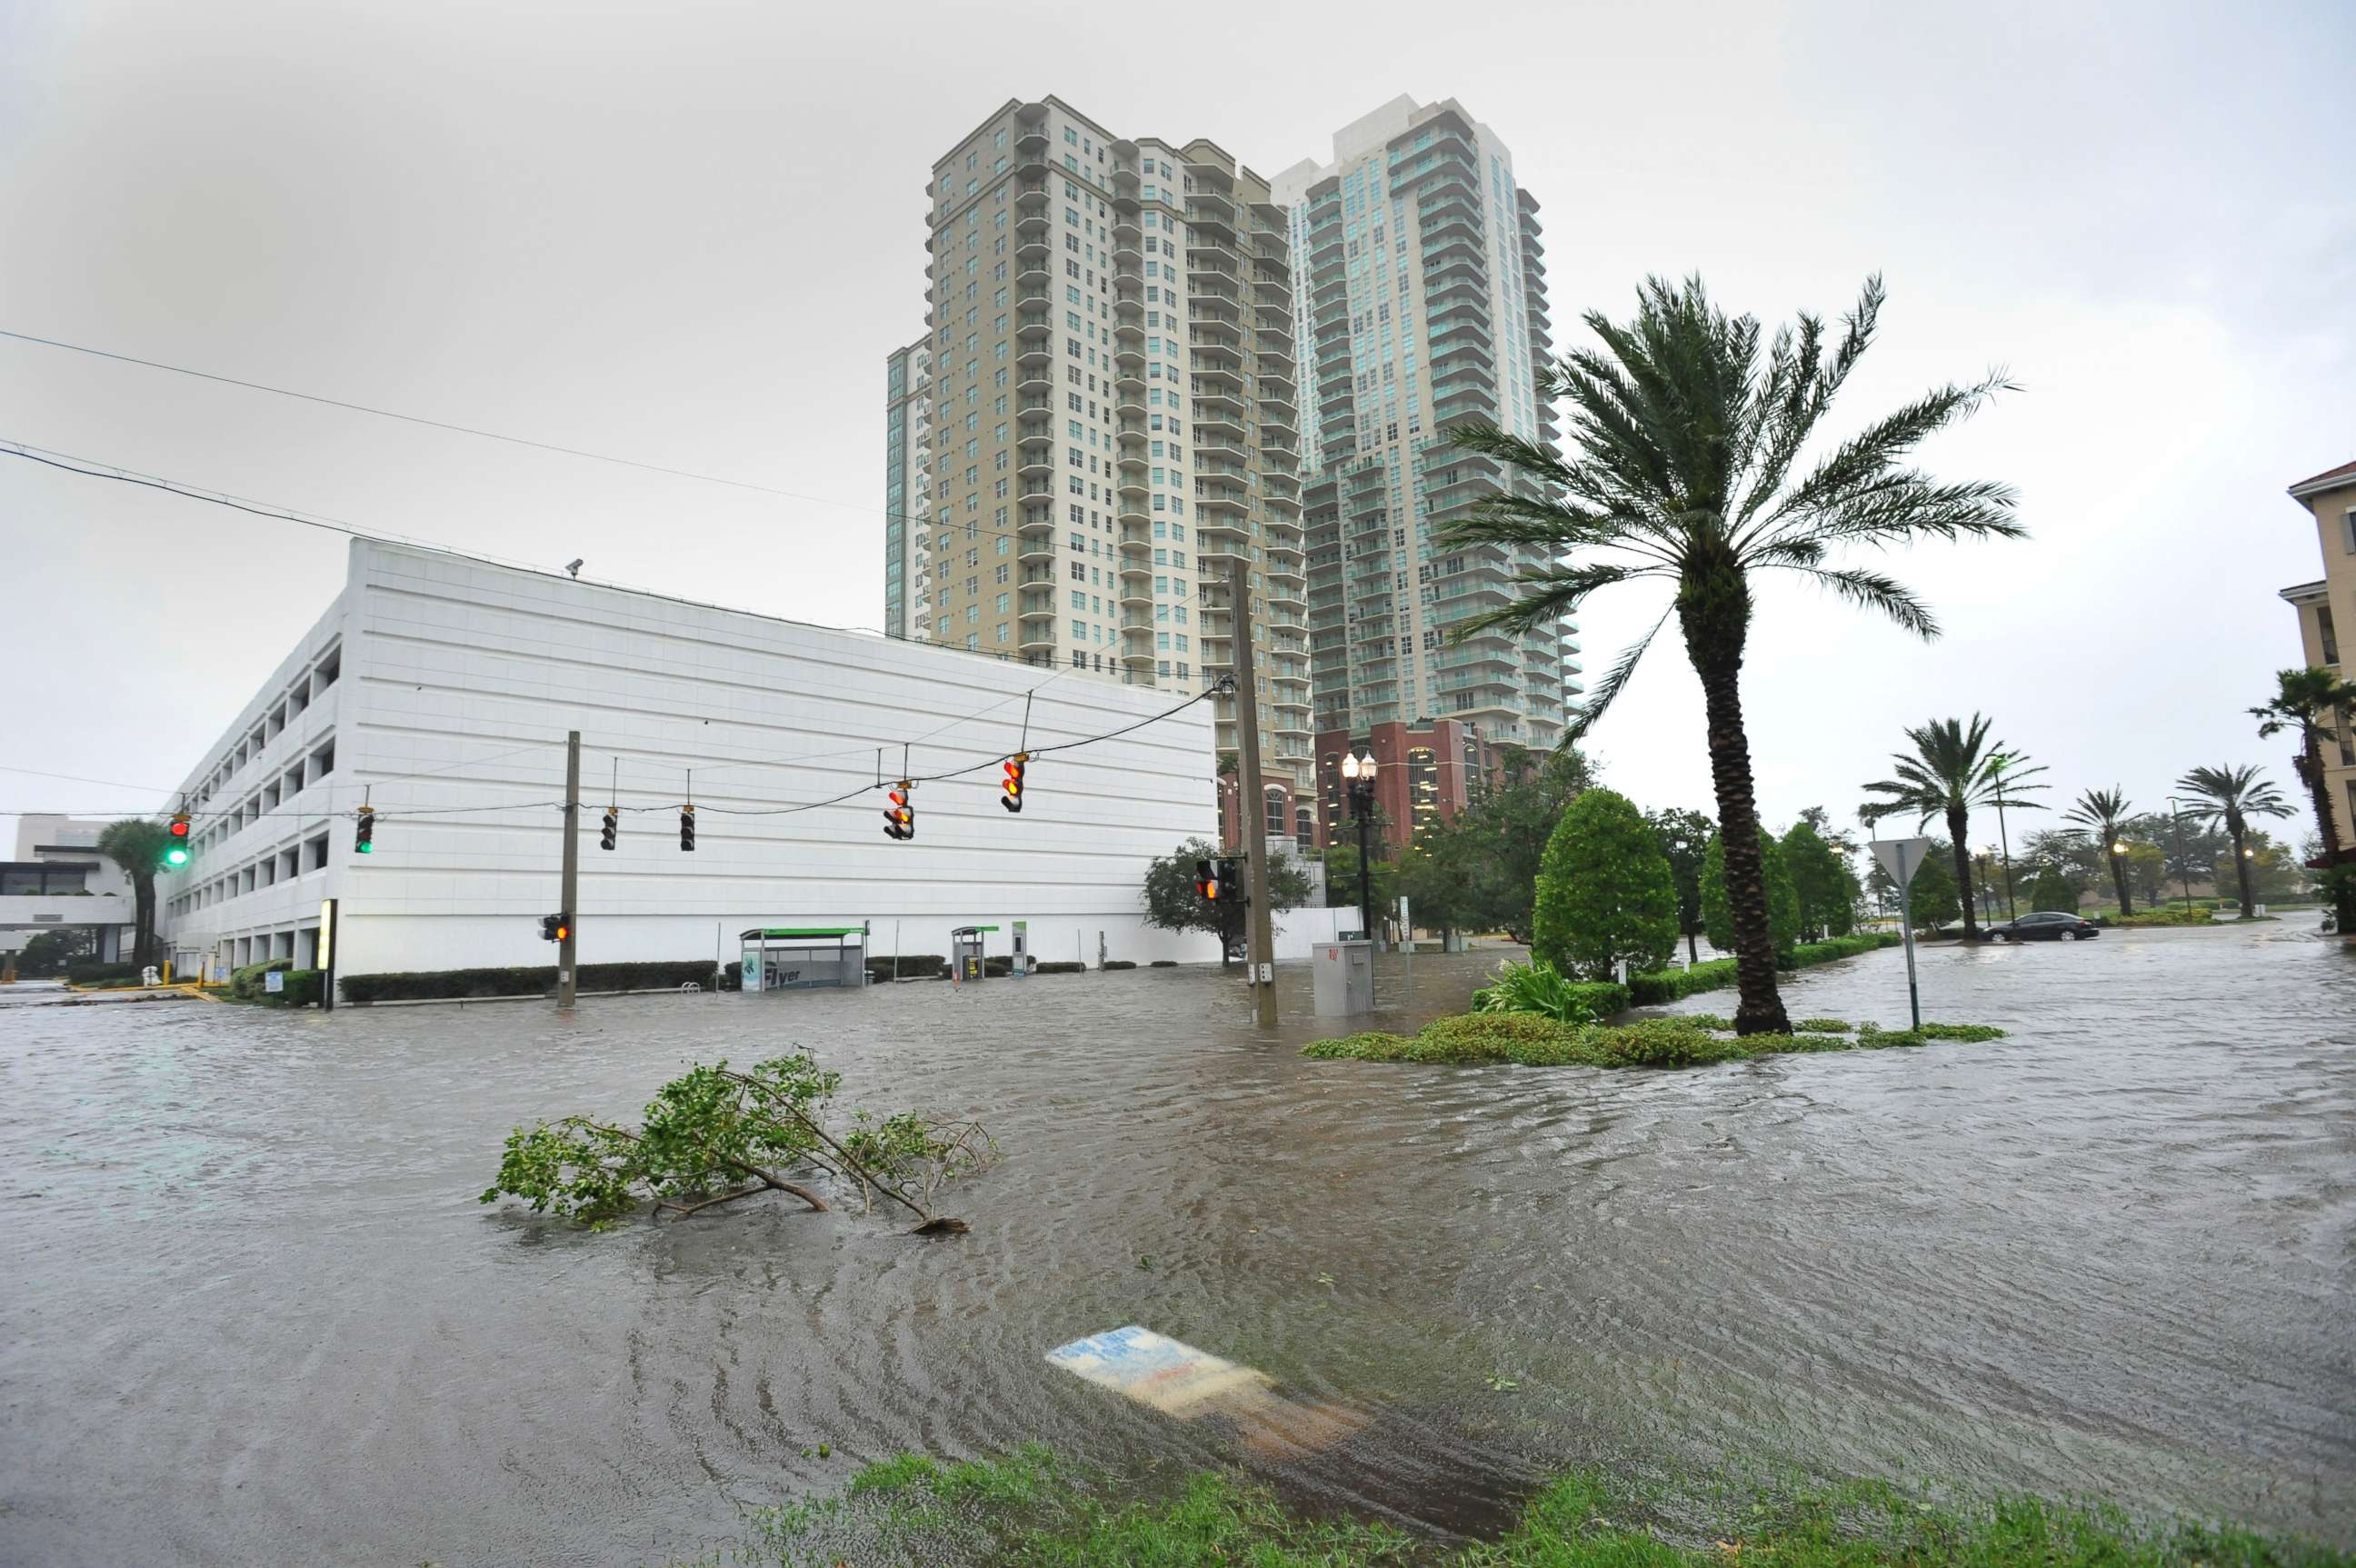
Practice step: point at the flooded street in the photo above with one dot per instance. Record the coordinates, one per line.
(254, 1313)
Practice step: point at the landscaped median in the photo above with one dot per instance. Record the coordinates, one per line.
(1535, 1040)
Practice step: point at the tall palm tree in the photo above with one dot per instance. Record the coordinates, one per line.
(1953, 769)
(2229, 796)
(2103, 812)
(137, 846)
(1692, 432)
(2307, 701)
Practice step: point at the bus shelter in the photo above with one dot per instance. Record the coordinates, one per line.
(804, 958)
(965, 952)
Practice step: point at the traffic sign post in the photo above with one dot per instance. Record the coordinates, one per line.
(1902, 859)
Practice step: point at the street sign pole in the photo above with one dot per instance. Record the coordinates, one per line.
(1902, 859)
(1906, 918)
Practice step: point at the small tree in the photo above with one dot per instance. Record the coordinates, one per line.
(1826, 888)
(2053, 890)
(1171, 903)
(1783, 898)
(1684, 837)
(1342, 879)
(1932, 893)
(1436, 878)
(137, 846)
(1604, 892)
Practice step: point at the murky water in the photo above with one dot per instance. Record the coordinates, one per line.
(253, 1313)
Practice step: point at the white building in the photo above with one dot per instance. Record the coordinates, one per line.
(438, 690)
(60, 881)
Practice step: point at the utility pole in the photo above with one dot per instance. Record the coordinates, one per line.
(1251, 798)
(572, 867)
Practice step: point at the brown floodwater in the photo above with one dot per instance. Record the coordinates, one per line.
(253, 1313)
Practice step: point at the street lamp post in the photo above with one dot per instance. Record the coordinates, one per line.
(1358, 774)
(2004, 842)
(2183, 867)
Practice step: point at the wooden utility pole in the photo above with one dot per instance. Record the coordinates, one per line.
(1252, 795)
(569, 898)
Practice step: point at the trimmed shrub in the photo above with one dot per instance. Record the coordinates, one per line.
(1163, 963)
(301, 989)
(245, 984)
(1605, 894)
(538, 980)
(1068, 966)
(1120, 964)
(99, 974)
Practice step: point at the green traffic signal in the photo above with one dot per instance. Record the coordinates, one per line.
(177, 856)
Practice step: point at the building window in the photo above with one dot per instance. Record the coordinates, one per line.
(2348, 531)
(2327, 634)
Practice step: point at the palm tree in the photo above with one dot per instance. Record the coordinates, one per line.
(1952, 770)
(1692, 433)
(2229, 797)
(2304, 701)
(2103, 812)
(137, 846)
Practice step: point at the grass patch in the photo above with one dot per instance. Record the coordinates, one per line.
(1031, 1509)
(2177, 916)
(1825, 1026)
(1534, 1040)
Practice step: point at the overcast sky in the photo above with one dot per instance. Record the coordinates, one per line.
(688, 235)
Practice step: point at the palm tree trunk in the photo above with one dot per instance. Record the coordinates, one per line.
(143, 914)
(2119, 881)
(1959, 823)
(2242, 869)
(2311, 774)
(1760, 1011)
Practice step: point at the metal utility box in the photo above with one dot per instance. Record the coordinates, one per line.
(966, 955)
(1343, 977)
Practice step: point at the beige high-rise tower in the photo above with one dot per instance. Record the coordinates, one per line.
(1112, 416)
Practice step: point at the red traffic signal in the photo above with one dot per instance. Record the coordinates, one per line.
(899, 815)
(1206, 880)
(1012, 798)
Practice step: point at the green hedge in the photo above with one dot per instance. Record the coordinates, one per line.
(1120, 964)
(912, 966)
(1068, 966)
(1715, 974)
(537, 980)
(98, 973)
(1536, 1041)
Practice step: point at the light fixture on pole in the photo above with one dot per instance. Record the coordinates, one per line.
(1358, 774)
(2183, 867)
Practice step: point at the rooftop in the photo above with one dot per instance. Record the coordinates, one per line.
(2330, 480)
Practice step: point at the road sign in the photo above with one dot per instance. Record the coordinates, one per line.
(1902, 859)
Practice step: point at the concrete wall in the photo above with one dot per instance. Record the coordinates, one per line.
(460, 679)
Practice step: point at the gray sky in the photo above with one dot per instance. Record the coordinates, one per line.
(689, 236)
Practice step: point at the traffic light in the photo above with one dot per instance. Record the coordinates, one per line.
(1231, 882)
(1206, 880)
(177, 843)
(1012, 798)
(613, 827)
(364, 834)
(900, 815)
(686, 829)
(551, 928)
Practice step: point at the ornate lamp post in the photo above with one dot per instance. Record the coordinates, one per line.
(1358, 774)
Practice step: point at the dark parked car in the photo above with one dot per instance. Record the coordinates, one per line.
(2044, 926)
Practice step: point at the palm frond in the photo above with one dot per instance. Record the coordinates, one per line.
(1872, 591)
(1591, 712)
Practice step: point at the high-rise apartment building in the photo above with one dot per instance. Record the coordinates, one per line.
(908, 493)
(1112, 417)
(1420, 285)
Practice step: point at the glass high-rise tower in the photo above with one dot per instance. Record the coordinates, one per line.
(1419, 292)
